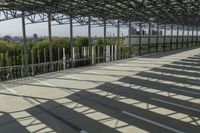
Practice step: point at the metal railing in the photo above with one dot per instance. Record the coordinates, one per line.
(39, 62)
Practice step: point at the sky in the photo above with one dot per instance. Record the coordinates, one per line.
(14, 28)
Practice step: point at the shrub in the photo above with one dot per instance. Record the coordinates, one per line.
(56, 43)
(82, 42)
(3, 46)
(60, 42)
(41, 45)
(122, 43)
(99, 42)
(14, 46)
(111, 42)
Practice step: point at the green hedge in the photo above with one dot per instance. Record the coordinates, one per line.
(9, 46)
(99, 42)
(82, 42)
(3, 46)
(56, 42)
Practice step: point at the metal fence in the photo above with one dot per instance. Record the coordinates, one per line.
(148, 44)
(12, 62)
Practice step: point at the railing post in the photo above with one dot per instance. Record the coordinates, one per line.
(64, 58)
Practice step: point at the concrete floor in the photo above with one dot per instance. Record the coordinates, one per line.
(158, 93)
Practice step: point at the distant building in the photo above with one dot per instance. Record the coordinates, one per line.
(155, 32)
(7, 38)
(17, 39)
(35, 37)
(143, 32)
(134, 31)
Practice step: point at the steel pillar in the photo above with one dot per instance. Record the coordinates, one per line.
(140, 40)
(118, 40)
(183, 36)
(71, 42)
(104, 40)
(25, 47)
(50, 42)
(171, 39)
(129, 38)
(157, 38)
(149, 38)
(197, 32)
(177, 36)
(192, 35)
(188, 36)
(89, 40)
(164, 44)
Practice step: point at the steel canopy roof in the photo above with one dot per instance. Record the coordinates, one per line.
(178, 12)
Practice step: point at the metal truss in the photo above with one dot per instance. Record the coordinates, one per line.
(162, 12)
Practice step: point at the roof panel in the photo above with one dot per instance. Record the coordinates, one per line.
(180, 12)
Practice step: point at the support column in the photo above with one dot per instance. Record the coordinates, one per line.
(25, 47)
(197, 35)
(140, 40)
(164, 44)
(71, 43)
(188, 36)
(89, 41)
(171, 39)
(149, 38)
(157, 38)
(104, 41)
(50, 43)
(118, 40)
(177, 36)
(129, 38)
(183, 36)
(192, 35)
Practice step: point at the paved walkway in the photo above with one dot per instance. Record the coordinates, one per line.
(159, 93)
